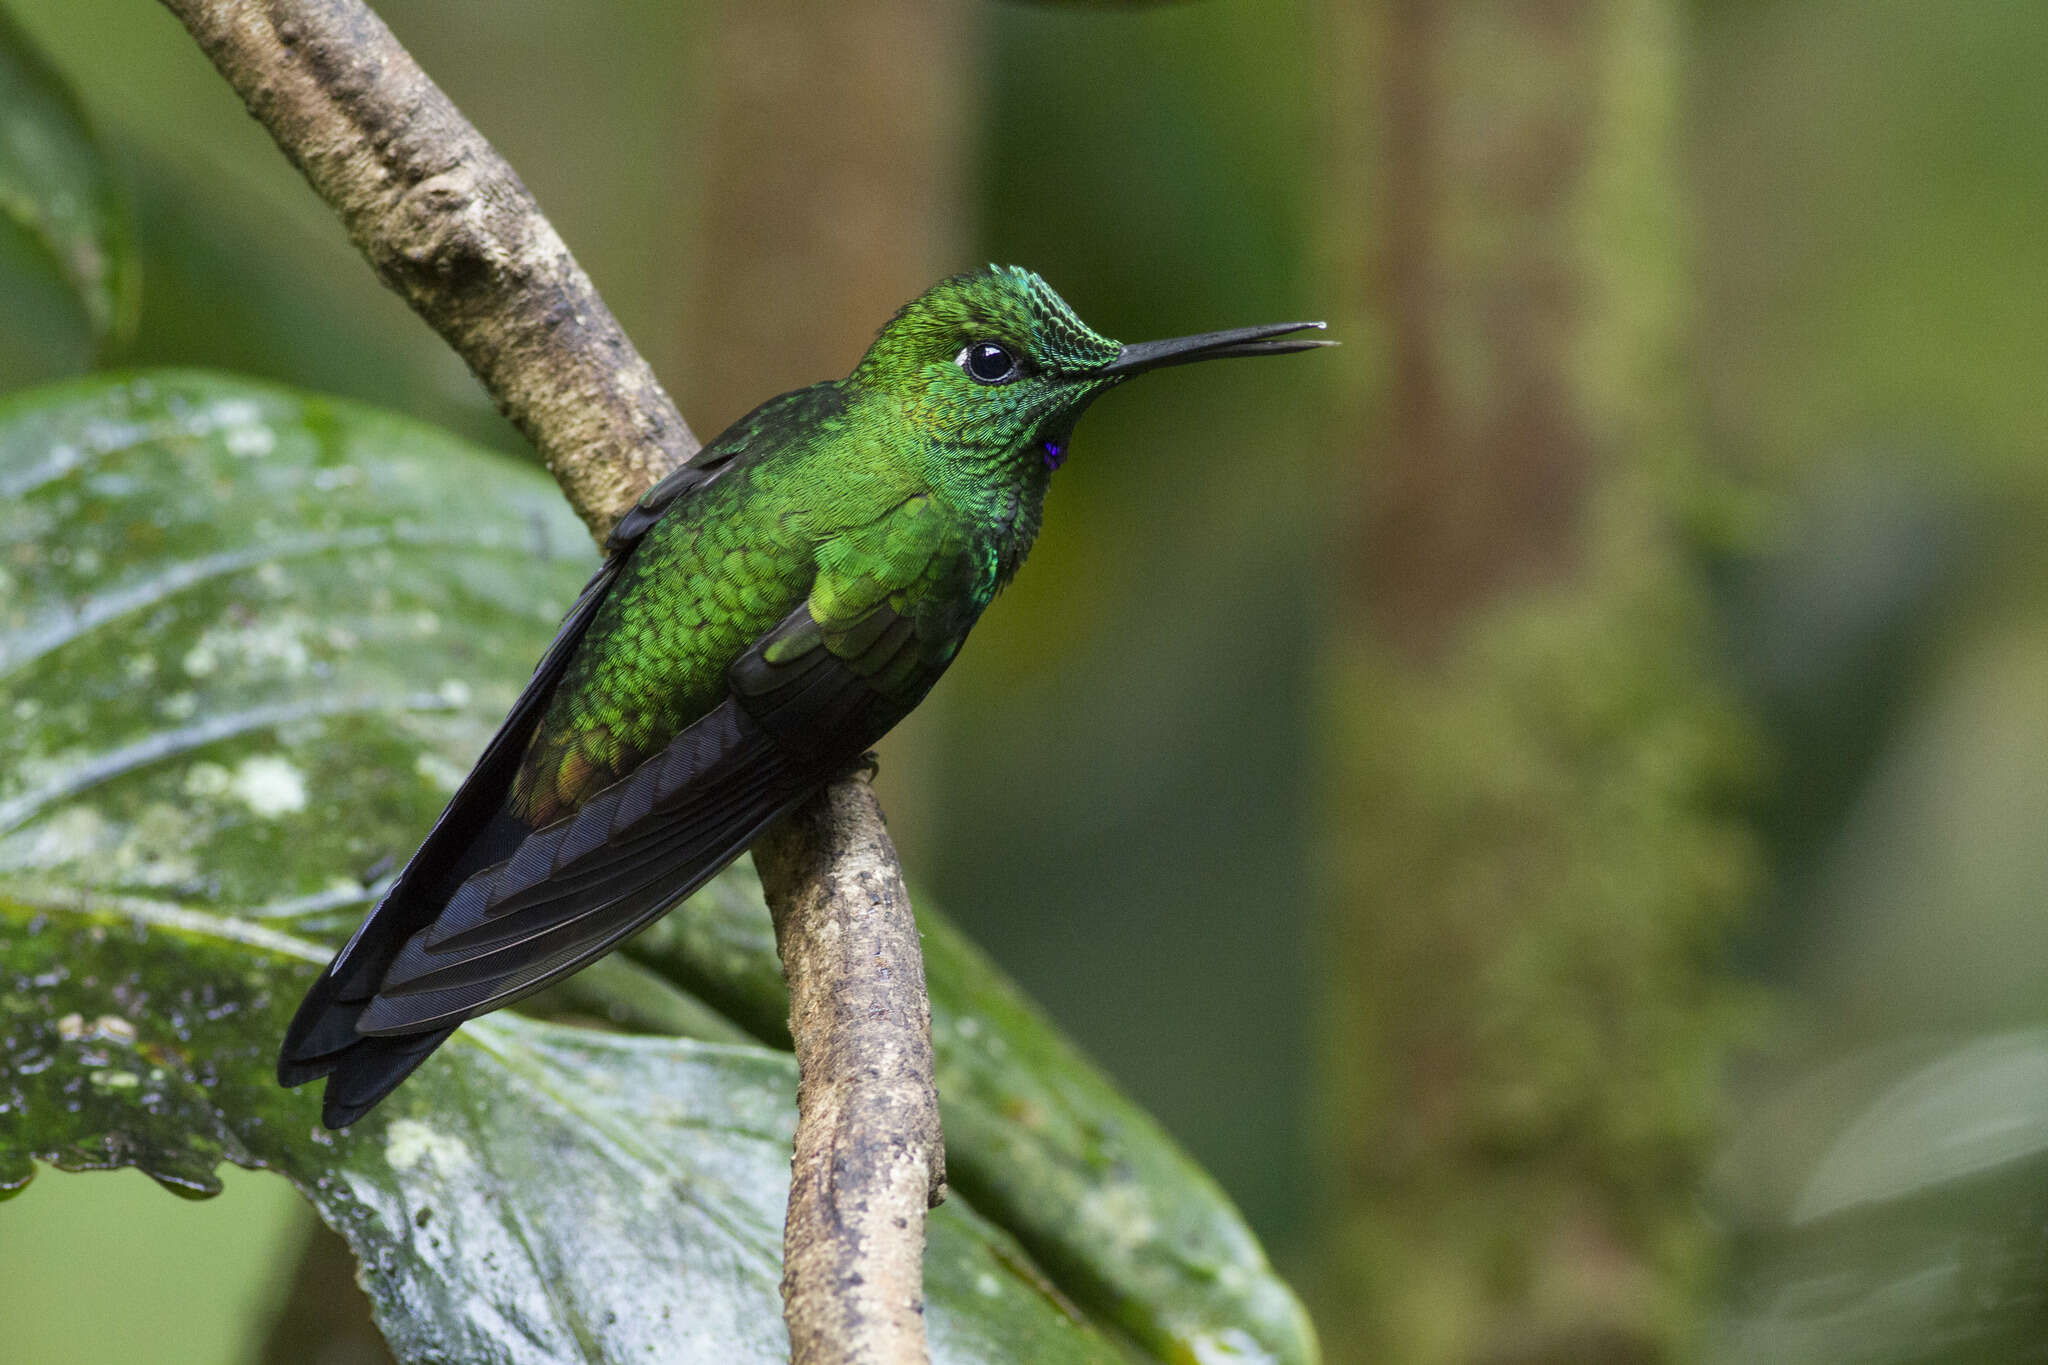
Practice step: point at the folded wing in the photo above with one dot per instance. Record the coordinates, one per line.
(802, 704)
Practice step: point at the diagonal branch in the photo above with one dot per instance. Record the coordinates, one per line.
(451, 228)
(447, 224)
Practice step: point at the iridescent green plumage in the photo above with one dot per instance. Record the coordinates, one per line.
(906, 481)
(763, 616)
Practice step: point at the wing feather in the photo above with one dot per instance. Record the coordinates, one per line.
(471, 826)
(491, 909)
(579, 886)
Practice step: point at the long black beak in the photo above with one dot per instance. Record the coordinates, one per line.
(1239, 341)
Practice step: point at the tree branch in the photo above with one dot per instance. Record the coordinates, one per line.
(869, 1157)
(447, 224)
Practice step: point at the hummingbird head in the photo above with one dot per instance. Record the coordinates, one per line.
(993, 369)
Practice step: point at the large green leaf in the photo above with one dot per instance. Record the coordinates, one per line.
(56, 188)
(1038, 1138)
(548, 1193)
(248, 642)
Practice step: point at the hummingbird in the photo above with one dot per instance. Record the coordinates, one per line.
(762, 617)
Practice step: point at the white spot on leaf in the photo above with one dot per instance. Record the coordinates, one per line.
(72, 835)
(444, 775)
(250, 442)
(269, 785)
(408, 1143)
(207, 780)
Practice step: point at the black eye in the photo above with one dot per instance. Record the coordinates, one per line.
(987, 363)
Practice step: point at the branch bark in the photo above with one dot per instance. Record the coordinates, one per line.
(869, 1158)
(450, 227)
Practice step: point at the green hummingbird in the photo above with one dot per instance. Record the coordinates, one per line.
(763, 615)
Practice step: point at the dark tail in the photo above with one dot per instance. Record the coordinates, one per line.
(474, 832)
(322, 1039)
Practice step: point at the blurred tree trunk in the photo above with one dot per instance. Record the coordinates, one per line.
(1534, 851)
(831, 176)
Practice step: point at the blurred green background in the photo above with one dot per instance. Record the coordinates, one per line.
(1548, 802)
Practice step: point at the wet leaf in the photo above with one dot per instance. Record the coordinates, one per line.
(1917, 1236)
(543, 1193)
(248, 642)
(1982, 1106)
(1038, 1138)
(55, 186)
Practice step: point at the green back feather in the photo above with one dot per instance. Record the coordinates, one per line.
(906, 483)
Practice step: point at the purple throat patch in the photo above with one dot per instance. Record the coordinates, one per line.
(1055, 454)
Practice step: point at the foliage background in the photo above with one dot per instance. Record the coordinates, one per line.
(1200, 782)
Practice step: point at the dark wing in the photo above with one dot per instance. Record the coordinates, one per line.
(803, 704)
(655, 502)
(473, 831)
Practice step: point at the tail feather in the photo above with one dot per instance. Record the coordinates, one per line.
(519, 908)
(373, 1070)
(569, 895)
(474, 832)
(323, 1039)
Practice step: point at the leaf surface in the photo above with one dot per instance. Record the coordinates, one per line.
(56, 187)
(249, 641)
